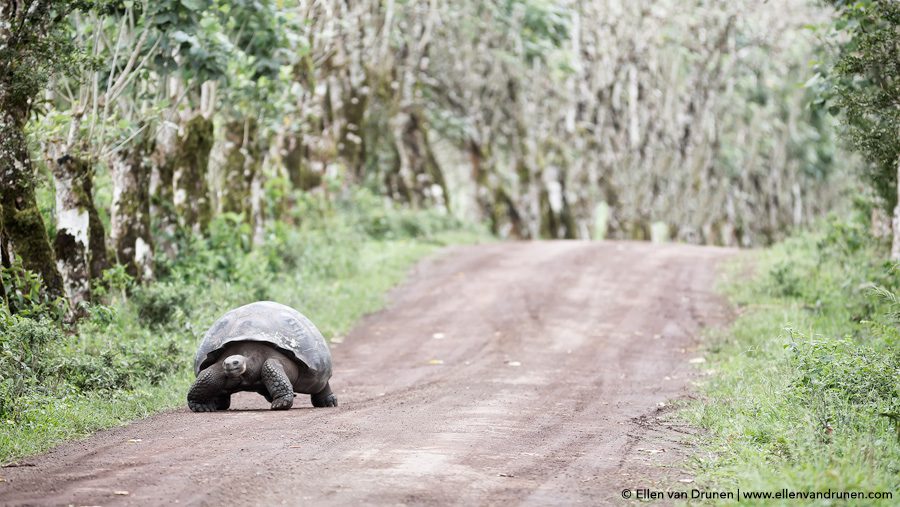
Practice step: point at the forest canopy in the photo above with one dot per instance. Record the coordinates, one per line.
(127, 126)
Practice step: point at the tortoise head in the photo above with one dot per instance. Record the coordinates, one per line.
(235, 366)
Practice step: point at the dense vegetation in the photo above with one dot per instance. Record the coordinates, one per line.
(864, 85)
(804, 392)
(130, 355)
(542, 119)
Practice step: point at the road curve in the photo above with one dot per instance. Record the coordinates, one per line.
(510, 373)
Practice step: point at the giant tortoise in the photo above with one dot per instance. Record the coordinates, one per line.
(263, 347)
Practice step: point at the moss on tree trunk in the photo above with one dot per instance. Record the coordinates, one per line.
(30, 52)
(162, 200)
(241, 166)
(23, 228)
(352, 144)
(191, 190)
(494, 202)
(417, 165)
(79, 244)
(296, 163)
(130, 223)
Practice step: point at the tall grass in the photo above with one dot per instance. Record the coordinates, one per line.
(132, 355)
(803, 390)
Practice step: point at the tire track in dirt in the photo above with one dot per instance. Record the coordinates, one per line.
(559, 360)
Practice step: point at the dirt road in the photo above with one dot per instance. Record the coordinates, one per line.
(514, 373)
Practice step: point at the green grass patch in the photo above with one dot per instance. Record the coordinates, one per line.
(132, 355)
(803, 389)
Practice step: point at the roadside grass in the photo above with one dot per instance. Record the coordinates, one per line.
(803, 390)
(132, 356)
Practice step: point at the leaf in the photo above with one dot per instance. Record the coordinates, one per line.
(193, 5)
(180, 36)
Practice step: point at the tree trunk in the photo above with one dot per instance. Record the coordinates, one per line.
(21, 224)
(98, 256)
(26, 30)
(130, 223)
(241, 165)
(3, 299)
(418, 166)
(351, 144)
(895, 245)
(256, 211)
(299, 171)
(556, 219)
(79, 244)
(162, 201)
(191, 197)
(484, 196)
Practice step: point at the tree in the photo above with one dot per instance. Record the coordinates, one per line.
(32, 48)
(866, 89)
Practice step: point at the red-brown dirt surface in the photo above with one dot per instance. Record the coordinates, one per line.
(511, 373)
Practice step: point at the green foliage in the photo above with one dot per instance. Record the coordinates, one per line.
(114, 279)
(865, 87)
(119, 368)
(32, 48)
(22, 340)
(133, 354)
(381, 219)
(836, 374)
(803, 385)
(22, 293)
(544, 25)
(158, 304)
(189, 39)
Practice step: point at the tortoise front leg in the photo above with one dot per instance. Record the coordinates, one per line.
(223, 402)
(206, 395)
(278, 384)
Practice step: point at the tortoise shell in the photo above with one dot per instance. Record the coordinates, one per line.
(284, 328)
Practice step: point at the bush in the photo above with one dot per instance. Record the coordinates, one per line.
(817, 406)
(22, 368)
(22, 294)
(158, 304)
(835, 372)
(131, 354)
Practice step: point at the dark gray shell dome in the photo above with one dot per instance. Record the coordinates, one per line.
(268, 322)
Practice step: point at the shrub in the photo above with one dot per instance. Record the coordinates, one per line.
(135, 337)
(22, 345)
(840, 369)
(158, 304)
(819, 407)
(22, 294)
